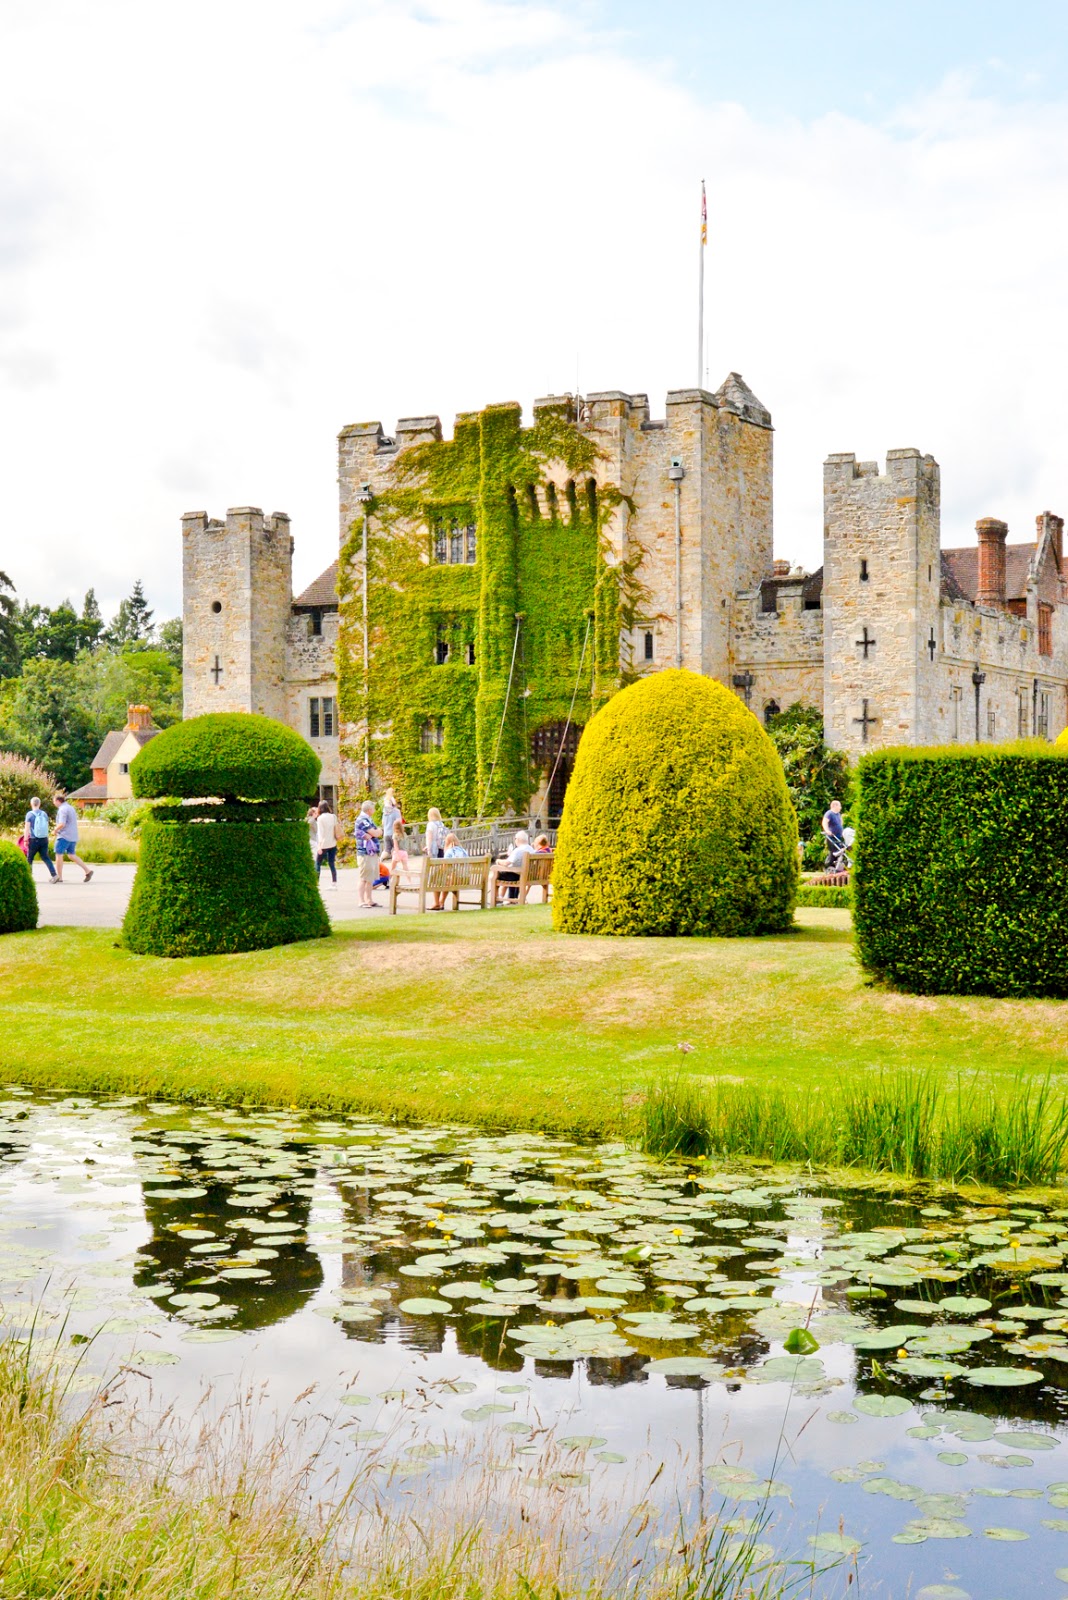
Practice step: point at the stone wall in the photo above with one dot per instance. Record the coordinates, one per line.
(312, 670)
(781, 650)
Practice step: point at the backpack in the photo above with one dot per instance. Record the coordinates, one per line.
(39, 824)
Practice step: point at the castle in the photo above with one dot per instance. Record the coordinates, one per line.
(494, 588)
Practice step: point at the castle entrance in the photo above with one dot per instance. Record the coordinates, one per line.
(553, 751)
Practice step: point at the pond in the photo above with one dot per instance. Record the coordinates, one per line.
(452, 1294)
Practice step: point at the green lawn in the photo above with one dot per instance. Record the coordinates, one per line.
(486, 1018)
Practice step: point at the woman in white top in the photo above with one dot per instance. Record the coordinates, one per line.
(326, 838)
(435, 846)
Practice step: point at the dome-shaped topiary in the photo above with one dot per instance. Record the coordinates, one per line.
(229, 755)
(18, 897)
(677, 818)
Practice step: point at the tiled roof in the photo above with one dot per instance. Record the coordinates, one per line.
(143, 735)
(323, 592)
(90, 791)
(106, 753)
(960, 571)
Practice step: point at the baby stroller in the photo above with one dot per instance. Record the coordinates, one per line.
(838, 857)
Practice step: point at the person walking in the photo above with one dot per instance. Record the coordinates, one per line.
(67, 838)
(834, 836)
(326, 842)
(35, 832)
(367, 837)
(391, 813)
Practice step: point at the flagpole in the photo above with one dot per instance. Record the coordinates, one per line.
(701, 291)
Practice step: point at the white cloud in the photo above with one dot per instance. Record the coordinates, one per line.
(231, 229)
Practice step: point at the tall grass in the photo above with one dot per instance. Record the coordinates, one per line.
(90, 1507)
(908, 1124)
(101, 841)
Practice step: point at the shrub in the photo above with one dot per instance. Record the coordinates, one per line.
(212, 888)
(830, 895)
(20, 780)
(217, 878)
(677, 818)
(18, 897)
(961, 877)
(128, 814)
(231, 754)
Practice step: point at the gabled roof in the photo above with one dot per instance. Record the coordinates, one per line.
(142, 735)
(90, 791)
(106, 754)
(960, 571)
(321, 593)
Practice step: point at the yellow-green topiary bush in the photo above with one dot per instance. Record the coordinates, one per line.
(677, 818)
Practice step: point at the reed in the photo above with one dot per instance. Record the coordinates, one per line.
(907, 1124)
(93, 1507)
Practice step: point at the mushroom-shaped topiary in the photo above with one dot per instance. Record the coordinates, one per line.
(229, 754)
(233, 872)
(18, 897)
(677, 818)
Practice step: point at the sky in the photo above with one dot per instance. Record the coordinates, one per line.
(230, 227)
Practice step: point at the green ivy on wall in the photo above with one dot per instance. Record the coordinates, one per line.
(542, 596)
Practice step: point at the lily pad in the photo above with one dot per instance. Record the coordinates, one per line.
(1002, 1377)
(425, 1308)
(882, 1405)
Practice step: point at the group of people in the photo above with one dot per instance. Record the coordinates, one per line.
(382, 850)
(36, 831)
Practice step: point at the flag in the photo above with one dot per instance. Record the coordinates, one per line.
(704, 214)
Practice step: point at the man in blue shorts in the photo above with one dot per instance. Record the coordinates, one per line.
(35, 832)
(67, 837)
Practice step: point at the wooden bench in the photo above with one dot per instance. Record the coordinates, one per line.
(430, 875)
(536, 872)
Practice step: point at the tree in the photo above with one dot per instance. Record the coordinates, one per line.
(92, 622)
(815, 775)
(9, 650)
(132, 623)
(46, 720)
(109, 681)
(50, 633)
(169, 639)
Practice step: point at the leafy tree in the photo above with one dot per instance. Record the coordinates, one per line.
(9, 650)
(92, 621)
(109, 681)
(132, 623)
(169, 639)
(46, 720)
(815, 775)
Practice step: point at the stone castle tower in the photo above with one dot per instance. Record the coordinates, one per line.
(237, 584)
(882, 577)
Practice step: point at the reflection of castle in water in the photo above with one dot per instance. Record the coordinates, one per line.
(184, 1260)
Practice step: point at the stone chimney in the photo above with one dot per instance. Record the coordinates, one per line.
(991, 587)
(1044, 520)
(781, 568)
(138, 719)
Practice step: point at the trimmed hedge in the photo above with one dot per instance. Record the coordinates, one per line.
(960, 883)
(228, 754)
(836, 897)
(677, 818)
(18, 897)
(214, 888)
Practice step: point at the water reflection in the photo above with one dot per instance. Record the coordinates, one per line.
(229, 1221)
(538, 1281)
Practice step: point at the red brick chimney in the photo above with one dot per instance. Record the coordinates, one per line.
(992, 535)
(1044, 520)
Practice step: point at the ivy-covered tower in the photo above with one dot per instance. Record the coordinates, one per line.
(515, 576)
